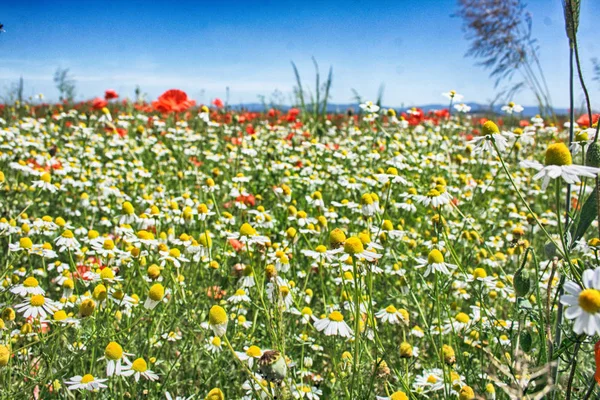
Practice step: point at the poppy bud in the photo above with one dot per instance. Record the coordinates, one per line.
(525, 341)
(522, 283)
(592, 157)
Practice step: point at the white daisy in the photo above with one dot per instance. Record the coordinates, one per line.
(583, 304)
(334, 324)
(139, 368)
(559, 163)
(30, 286)
(435, 262)
(392, 315)
(37, 306)
(86, 382)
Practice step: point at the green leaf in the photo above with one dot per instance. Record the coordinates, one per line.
(589, 212)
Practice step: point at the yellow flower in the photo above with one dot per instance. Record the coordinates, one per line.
(215, 394)
(558, 154)
(217, 318)
(336, 237)
(353, 245)
(4, 355)
(157, 292)
(113, 351)
(87, 307)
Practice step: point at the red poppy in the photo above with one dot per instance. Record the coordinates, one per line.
(248, 200)
(215, 292)
(293, 113)
(218, 103)
(196, 162)
(173, 100)
(443, 113)
(99, 103)
(110, 94)
(584, 120)
(236, 244)
(120, 131)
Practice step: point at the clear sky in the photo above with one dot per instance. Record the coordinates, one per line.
(415, 48)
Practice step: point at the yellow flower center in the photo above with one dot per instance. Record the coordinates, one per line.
(217, 315)
(68, 234)
(107, 273)
(30, 282)
(100, 292)
(25, 243)
(87, 378)
(113, 351)
(435, 257)
(253, 351)
(60, 315)
(321, 249)
(108, 244)
(336, 237)
(387, 225)
(128, 208)
(479, 273)
(558, 154)
(431, 379)
(433, 193)
(157, 292)
(589, 300)
(353, 245)
(247, 230)
(175, 253)
(489, 128)
(391, 309)
(139, 365)
(37, 300)
(406, 349)
(153, 271)
(215, 394)
(336, 316)
(46, 177)
(205, 239)
(240, 292)
(86, 308)
(466, 393)
(398, 396)
(462, 318)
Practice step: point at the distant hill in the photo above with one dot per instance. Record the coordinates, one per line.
(528, 111)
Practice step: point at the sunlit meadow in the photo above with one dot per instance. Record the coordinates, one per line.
(166, 249)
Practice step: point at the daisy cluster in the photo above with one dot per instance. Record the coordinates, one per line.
(166, 250)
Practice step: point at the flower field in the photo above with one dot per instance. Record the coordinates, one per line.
(173, 250)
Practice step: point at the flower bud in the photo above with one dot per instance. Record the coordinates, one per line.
(522, 283)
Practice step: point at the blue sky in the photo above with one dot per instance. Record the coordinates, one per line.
(415, 48)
